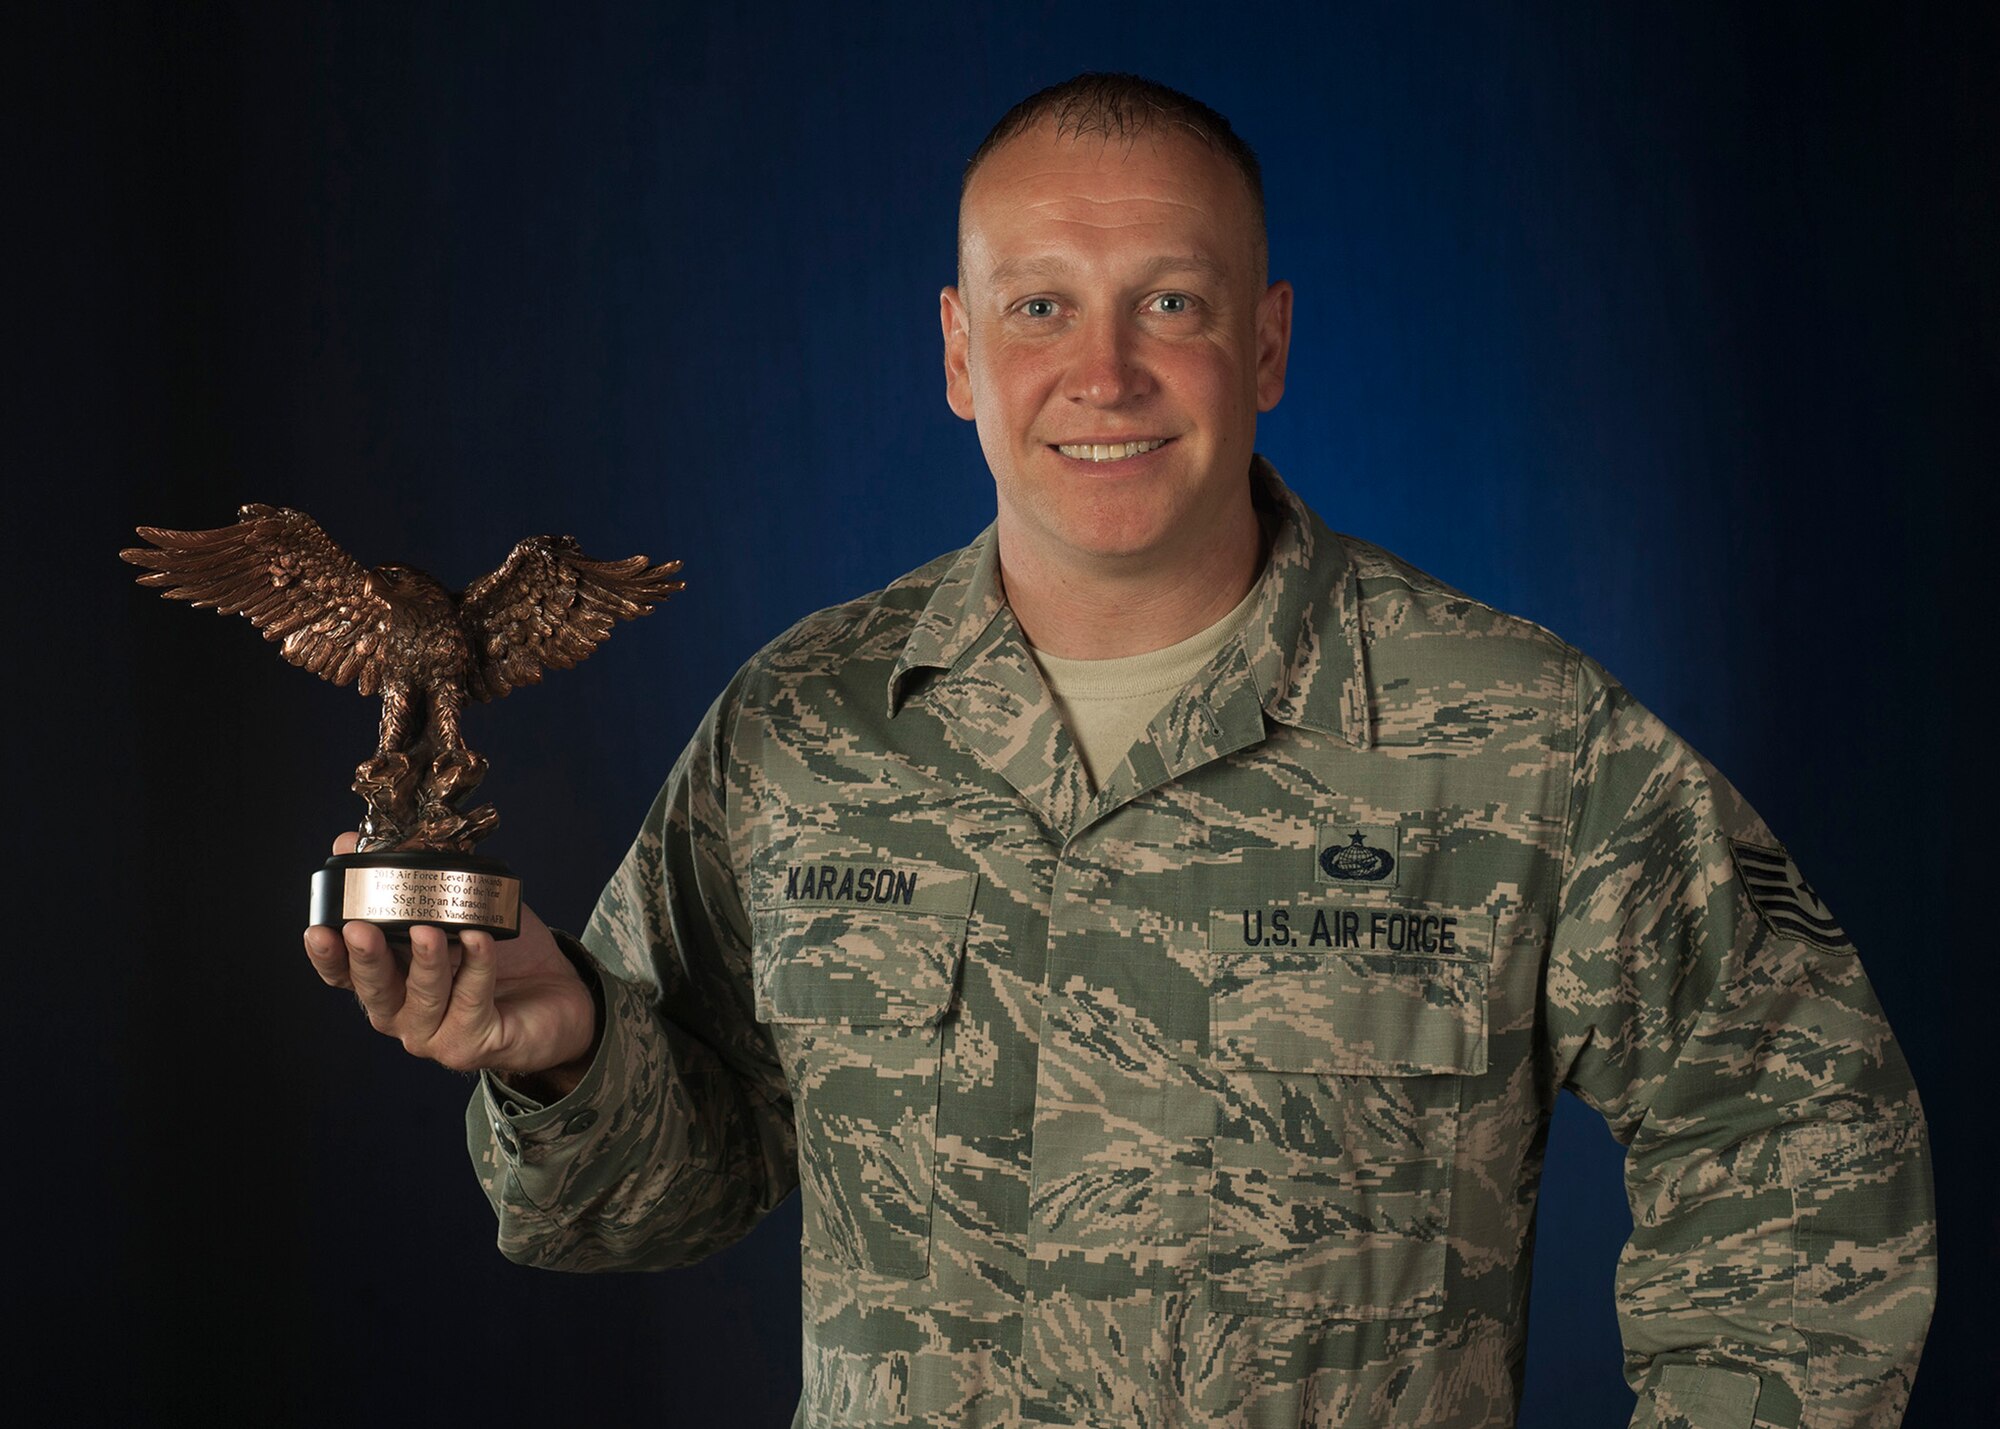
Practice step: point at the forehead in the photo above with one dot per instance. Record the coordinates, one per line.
(1093, 197)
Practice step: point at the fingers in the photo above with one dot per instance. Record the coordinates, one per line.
(373, 974)
(438, 999)
(328, 956)
(323, 945)
(473, 991)
(427, 988)
(423, 1002)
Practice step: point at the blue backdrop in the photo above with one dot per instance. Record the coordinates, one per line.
(1673, 328)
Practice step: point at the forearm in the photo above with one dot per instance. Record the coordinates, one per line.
(1786, 1229)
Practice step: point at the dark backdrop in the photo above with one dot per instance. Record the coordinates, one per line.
(1671, 327)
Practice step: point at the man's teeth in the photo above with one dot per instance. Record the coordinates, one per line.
(1117, 451)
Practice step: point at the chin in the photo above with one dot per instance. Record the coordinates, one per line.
(1114, 539)
(1115, 526)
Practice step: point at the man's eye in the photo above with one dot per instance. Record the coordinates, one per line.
(1039, 308)
(1173, 304)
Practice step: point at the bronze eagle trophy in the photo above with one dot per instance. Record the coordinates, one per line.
(396, 632)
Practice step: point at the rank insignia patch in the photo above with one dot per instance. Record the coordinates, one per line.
(1358, 854)
(1783, 898)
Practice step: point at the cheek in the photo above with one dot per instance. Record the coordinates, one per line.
(1012, 382)
(1223, 386)
(1205, 394)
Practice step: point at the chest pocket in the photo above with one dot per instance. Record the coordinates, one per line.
(857, 1000)
(1339, 1077)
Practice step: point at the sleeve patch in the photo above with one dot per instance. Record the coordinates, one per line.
(1783, 898)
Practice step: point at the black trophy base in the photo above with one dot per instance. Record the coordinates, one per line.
(399, 891)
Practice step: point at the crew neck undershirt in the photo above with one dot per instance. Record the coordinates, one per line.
(1107, 704)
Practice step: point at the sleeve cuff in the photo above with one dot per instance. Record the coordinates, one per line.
(536, 1140)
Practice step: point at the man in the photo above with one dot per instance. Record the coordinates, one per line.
(1152, 938)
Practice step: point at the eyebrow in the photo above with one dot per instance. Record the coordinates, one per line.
(1051, 266)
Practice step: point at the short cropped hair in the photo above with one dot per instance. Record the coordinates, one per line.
(1124, 106)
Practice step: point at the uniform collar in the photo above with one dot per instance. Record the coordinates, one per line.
(963, 603)
(1303, 642)
(1299, 653)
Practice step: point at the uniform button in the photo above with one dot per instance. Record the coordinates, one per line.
(582, 1121)
(506, 1139)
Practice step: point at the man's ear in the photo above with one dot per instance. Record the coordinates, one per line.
(1274, 343)
(957, 349)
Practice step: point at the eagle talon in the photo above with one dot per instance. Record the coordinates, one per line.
(387, 783)
(453, 774)
(445, 827)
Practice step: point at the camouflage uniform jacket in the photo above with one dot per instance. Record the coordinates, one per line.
(1218, 1095)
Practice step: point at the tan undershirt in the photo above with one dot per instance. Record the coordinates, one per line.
(1107, 704)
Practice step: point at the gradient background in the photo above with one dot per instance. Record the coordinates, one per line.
(1674, 328)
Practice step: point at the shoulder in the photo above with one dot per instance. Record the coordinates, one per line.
(1408, 615)
(858, 639)
(1444, 663)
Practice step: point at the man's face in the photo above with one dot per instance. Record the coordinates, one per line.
(1112, 295)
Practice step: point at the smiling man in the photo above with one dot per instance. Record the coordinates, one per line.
(1152, 938)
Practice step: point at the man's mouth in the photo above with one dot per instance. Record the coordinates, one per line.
(1113, 451)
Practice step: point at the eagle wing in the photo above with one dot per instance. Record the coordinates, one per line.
(549, 606)
(277, 567)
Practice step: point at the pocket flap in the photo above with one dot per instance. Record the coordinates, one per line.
(859, 966)
(1348, 1013)
(1705, 1395)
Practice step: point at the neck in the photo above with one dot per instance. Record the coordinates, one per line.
(1103, 609)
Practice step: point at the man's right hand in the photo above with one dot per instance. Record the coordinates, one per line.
(516, 1008)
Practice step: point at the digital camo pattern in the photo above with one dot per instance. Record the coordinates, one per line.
(1114, 1109)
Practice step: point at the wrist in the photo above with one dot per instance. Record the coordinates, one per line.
(551, 1083)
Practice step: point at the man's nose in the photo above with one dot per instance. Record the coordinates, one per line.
(1108, 367)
